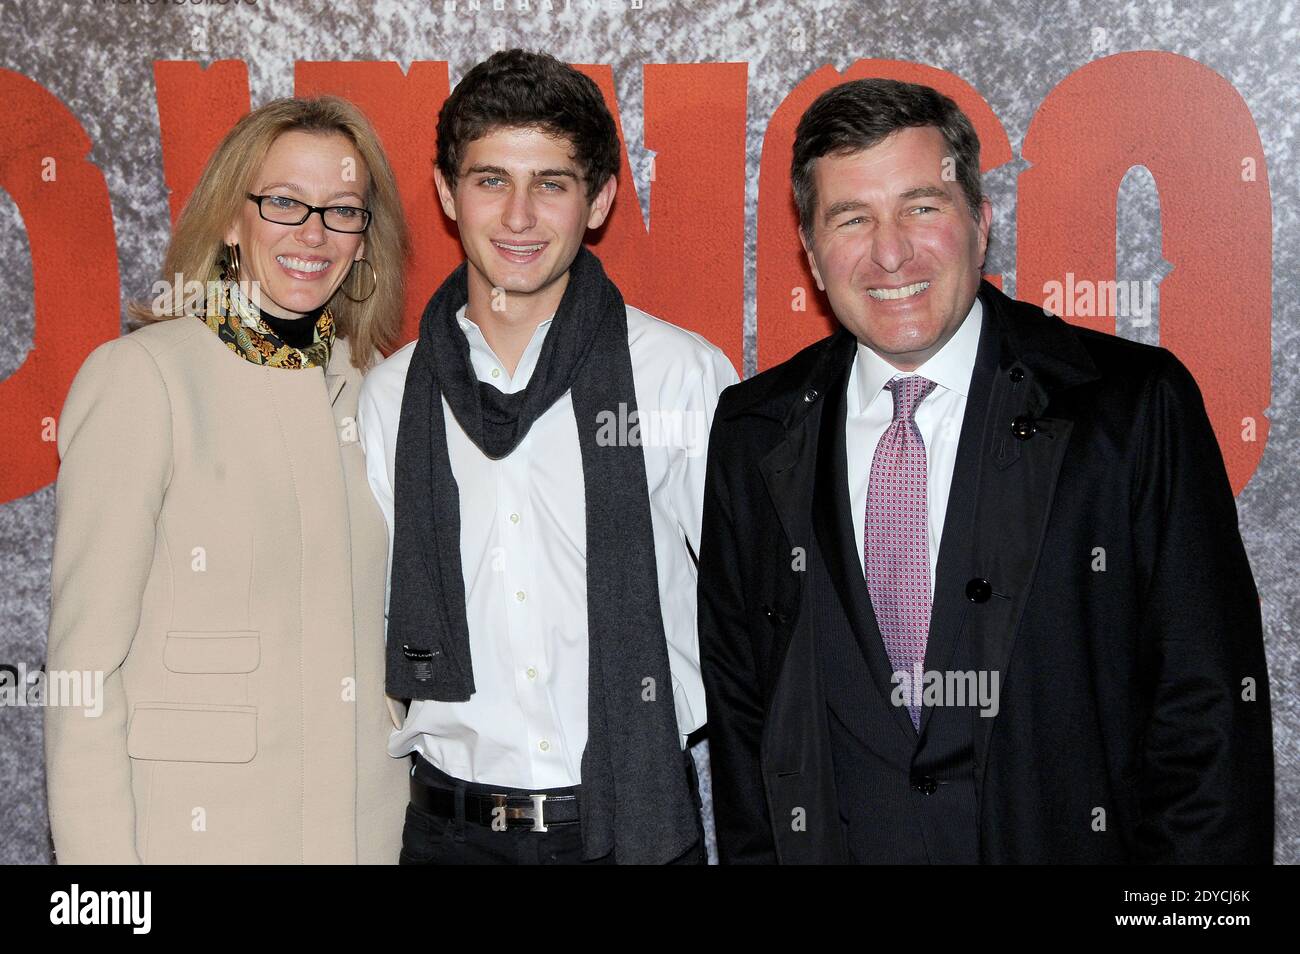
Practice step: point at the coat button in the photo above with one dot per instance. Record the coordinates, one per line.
(1023, 428)
(978, 590)
(925, 784)
(810, 395)
(1016, 375)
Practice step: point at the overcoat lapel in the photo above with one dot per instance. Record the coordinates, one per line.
(789, 469)
(1019, 465)
(953, 570)
(835, 527)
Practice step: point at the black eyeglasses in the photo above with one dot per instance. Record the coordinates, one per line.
(283, 210)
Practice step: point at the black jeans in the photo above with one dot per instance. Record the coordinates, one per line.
(428, 839)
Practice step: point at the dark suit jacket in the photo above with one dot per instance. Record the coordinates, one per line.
(1090, 555)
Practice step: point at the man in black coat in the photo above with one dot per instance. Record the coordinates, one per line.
(1008, 618)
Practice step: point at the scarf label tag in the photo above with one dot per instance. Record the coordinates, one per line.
(422, 669)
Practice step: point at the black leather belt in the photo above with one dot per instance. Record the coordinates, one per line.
(536, 812)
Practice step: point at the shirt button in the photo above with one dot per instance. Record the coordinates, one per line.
(544, 745)
(532, 673)
(514, 518)
(519, 595)
(496, 372)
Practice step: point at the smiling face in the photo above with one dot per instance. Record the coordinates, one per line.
(298, 267)
(894, 245)
(521, 207)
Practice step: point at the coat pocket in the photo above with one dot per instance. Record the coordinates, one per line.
(189, 732)
(228, 651)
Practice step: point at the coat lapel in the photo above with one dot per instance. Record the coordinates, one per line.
(788, 470)
(953, 570)
(1021, 450)
(336, 373)
(797, 765)
(835, 525)
(334, 385)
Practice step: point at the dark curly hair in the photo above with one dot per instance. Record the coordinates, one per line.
(516, 88)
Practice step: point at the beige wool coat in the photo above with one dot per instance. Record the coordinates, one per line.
(219, 559)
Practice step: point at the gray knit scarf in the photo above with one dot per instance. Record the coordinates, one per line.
(634, 799)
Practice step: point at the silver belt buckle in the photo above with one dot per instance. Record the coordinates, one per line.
(536, 813)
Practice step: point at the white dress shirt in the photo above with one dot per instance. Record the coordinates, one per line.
(870, 410)
(523, 554)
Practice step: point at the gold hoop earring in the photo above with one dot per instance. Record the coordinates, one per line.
(230, 264)
(374, 281)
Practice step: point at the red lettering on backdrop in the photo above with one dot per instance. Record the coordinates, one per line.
(782, 265)
(1195, 134)
(688, 266)
(1200, 144)
(196, 108)
(694, 117)
(403, 107)
(64, 204)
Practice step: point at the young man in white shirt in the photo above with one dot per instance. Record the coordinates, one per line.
(542, 582)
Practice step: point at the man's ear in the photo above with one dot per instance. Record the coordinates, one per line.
(984, 224)
(812, 259)
(600, 205)
(445, 194)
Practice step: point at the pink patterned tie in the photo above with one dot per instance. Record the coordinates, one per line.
(897, 548)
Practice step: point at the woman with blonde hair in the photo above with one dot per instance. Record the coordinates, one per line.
(218, 559)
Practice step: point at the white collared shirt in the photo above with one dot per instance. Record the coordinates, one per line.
(870, 410)
(523, 554)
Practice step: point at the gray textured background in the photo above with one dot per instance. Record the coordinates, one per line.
(97, 57)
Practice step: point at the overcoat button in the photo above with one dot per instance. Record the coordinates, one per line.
(1023, 428)
(978, 590)
(924, 784)
(810, 395)
(1016, 375)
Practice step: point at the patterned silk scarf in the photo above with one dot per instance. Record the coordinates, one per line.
(238, 322)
